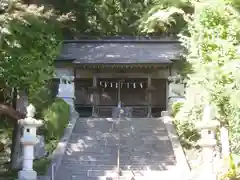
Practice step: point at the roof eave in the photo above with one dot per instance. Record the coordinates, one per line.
(123, 41)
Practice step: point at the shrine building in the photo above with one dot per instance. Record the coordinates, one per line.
(106, 73)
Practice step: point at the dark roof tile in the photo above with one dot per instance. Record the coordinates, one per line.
(89, 52)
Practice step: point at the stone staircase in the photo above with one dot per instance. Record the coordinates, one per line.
(92, 152)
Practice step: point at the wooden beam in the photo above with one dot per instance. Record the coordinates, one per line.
(101, 66)
(121, 75)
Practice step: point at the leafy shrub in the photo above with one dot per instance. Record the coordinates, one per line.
(185, 116)
(41, 99)
(176, 108)
(56, 118)
(188, 133)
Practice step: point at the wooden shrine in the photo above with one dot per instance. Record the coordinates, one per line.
(132, 72)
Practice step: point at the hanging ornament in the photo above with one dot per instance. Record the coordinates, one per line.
(141, 84)
(116, 85)
(111, 84)
(100, 83)
(105, 84)
(128, 85)
(134, 85)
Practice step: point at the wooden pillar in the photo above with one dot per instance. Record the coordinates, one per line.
(94, 107)
(149, 97)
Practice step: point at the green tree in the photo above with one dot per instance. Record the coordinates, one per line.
(211, 38)
(29, 45)
(30, 38)
(116, 17)
(213, 44)
(165, 16)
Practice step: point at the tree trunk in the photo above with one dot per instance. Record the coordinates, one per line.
(16, 147)
(10, 112)
(16, 153)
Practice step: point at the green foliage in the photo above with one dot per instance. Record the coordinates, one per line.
(30, 38)
(188, 134)
(29, 43)
(41, 165)
(41, 99)
(233, 170)
(101, 17)
(56, 118)
(213, 43)
(118, 17)
(56, 115)
(6, 127)
(165, 16)
(212, 74)
(176, 108)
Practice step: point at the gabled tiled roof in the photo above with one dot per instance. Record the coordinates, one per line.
(120, 51)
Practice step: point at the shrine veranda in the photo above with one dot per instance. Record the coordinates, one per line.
(103, 74)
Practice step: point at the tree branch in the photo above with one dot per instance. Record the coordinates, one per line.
(10, 112)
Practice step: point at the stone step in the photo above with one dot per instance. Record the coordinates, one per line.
(81, 177)
(145, 124)
(136, 140)
(112, 119)
(146, 177)
(122, 163)
(112, 149)
(126, 123)
(123, 156)
(95, 152)
(143, 142)
(77, 177)
(147, 121)
(98, 135)
(122, 128)
(43, 178)
(111, 173)
(111, 178)
(134, 167)
(139, 152)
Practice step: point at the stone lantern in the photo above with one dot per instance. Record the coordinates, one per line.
(28, 141)
(66, 90)
(208, 143)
